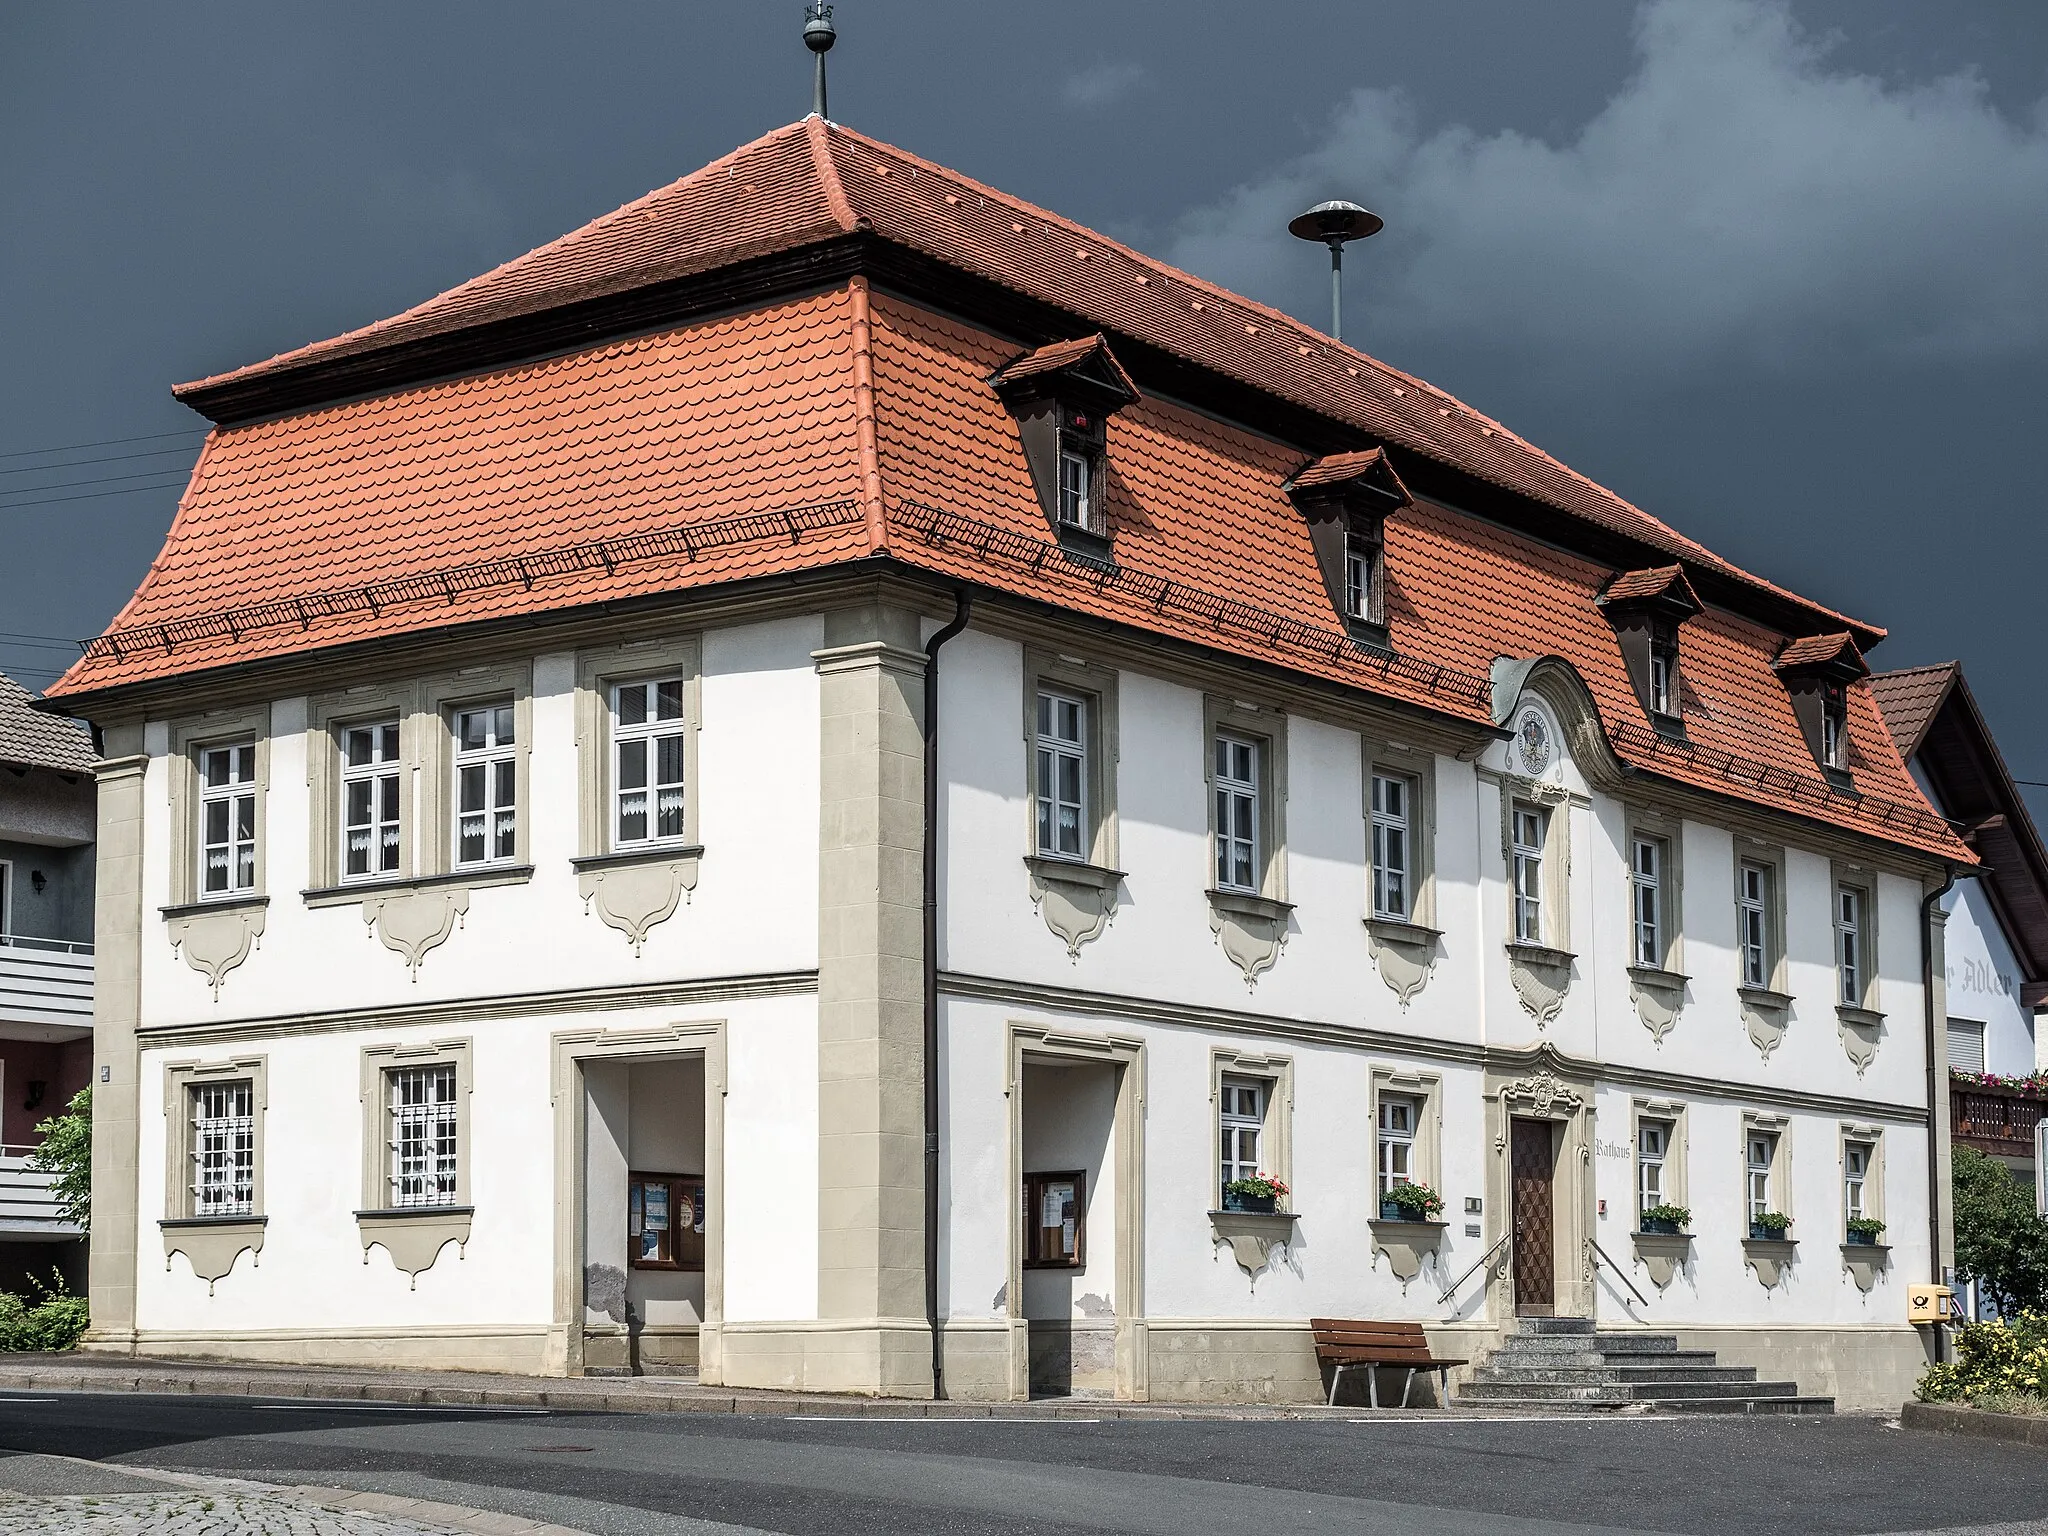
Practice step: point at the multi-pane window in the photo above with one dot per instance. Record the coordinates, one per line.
(1362, 580)
(486, 785)
(1077, 477)
(647, 762)
(1852, 961)
(1062, 776)
(1762, 1149)
(1646, 900)
(1663, 677)
(1237, 814)
(223, 1148)
(1526, 859)
(1653, 1145)
(1855, 1171)
(1392, 801)
(227, 819)
(1834, 726)
(1753, 922)
(1398, 1117)
(423, 1134)
(369, 800)
(1242, 1126)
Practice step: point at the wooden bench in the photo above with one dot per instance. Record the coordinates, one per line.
(1342, 1343)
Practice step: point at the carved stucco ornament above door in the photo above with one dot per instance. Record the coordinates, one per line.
(213, 942)
(412, 922)
(1404, 953)
(1076, 900)
(634, 892)
(1252, 930)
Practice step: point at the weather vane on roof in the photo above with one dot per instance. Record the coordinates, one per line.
(819, 38)
(1332, 224)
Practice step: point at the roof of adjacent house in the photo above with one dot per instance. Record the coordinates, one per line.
(1935, 720)
(31, 739)
(827, 421)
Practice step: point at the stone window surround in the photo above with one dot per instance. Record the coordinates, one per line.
(188, 739)
(412, 1235)
(440, 698)
(597, 671)
(1778, 1127)
(1864, 882)
(1871, 1136)
(1668, 833)
(1770, 856)
(1276, 1135)
(1095, 683)
(1267, 726)
(211, 1244)
(1558, 803)
(1672, 1114)
(1418, 766)
(328, 717)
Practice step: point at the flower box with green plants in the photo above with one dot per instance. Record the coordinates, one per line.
(1864, 1230)
(1666, 1220)
(1769, 1227)
(1411, 1202)
(1260, 1194)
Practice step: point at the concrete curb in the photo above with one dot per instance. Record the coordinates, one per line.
(1954, 1419)
(458, 1517)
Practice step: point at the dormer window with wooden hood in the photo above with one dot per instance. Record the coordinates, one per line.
(1063, 396)
(1345, 498)
(1818, 670)
(1646, 609)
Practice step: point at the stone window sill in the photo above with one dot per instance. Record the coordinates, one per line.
(414, 1235)
(1396, 930)
(399, 885)
(1247, 904)
(245, 902)
(1400, 1224)
(1764, 997)
(1539, 954)
(1869, 1018)
(1657, 976)
(215, 1223)
(1073, 872)
(634, 858)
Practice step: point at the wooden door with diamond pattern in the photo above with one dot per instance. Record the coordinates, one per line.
(1532, 1165)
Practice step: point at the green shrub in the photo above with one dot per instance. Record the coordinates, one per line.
(2025, 1404)
(53, 1323)
(1999, 1239)
(2006, 1356)
(66, 1152)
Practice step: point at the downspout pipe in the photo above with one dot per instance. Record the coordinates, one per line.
(1937, 1060)
(963, 609)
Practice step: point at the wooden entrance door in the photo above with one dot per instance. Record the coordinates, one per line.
(1531, 1169)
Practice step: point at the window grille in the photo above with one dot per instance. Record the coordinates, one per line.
(1237, 814)
(227, 819)
(647, 759)
(423, 1135)
(1391, 799)
(1062, 776)
(486, 779)
(369, 800)
(223, 1149)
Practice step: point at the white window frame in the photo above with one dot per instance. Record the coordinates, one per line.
(1393, 878)
(653, 737)
(1076, 501)
(222, 1142)
(1857, 1157)
(1759, 1172)
(1055, 750)
(1753, 914)
(384, 775)
(1648, 867)
(1364, 575)
(1834, 725)
(1396, 1144)
(498, 758)
(1852, 944)
(1237, 800)
(1653, 1160)
(1662, 675)
(1234, 1123)
(431, 1126)
(1529, 830)
(234, 794)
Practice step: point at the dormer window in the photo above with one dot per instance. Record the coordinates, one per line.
(1646, 609)
(1346, 499)
(1817, 671)
(1063, 396)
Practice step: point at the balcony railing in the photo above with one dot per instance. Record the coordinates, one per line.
(1993, 1119)
(45, 981)
(27, 1207)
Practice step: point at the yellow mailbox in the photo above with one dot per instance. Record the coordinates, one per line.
(1930, 1304)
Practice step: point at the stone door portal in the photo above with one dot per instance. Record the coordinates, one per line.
(1531, 1167)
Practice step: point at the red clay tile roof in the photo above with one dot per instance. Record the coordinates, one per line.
(1820, 651)
(1342, 468)
(1667, 581)
(1909, 699)
(1065, 354)
(814, 181)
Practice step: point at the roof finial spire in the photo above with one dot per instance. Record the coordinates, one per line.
(819, 38)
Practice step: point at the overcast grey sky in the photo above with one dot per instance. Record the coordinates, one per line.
(1773, 269)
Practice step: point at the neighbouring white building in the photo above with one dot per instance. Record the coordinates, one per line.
(534, 933)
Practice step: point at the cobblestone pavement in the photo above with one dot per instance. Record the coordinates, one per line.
(197, 1514)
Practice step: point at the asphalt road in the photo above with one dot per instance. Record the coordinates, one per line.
(688, 1473)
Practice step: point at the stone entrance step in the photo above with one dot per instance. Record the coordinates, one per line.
(1565, 1364)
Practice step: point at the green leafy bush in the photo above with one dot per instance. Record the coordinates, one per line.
(55, 1322)
(1999, 1239)
(2008, 1355)
(66, 1152)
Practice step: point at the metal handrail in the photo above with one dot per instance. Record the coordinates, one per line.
(1484, 1259)
(58, 946)
(1624, 1279)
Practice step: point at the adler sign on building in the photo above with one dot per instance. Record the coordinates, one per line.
(837, 779)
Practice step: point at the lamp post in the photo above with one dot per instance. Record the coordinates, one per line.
(1331, 224)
